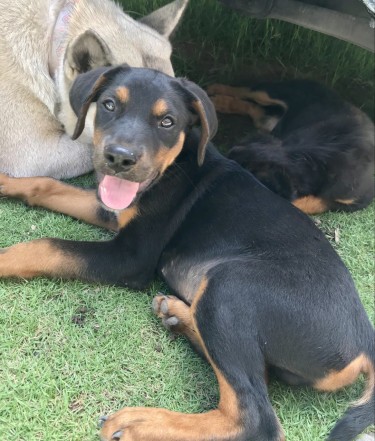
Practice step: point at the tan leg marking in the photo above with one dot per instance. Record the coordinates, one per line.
(345, 201)
(369, 370)
(234, 100)
(145, 424)
(259, 96)
(170, 308)
(338, 379)
(38, 258)
(262, 98)
(177, 308)
(229, 105)
(142, 424)
(311, 204)
(234, 92)
(56, 196)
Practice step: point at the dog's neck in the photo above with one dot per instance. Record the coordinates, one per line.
(59, 34)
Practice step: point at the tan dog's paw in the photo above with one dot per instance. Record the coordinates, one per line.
(23, 188)
(10, 187)
(3, 184)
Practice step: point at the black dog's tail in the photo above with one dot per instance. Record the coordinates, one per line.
(362, 414)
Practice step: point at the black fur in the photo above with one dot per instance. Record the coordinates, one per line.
(321, 146)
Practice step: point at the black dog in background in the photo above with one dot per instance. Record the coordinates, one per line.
(312, 147)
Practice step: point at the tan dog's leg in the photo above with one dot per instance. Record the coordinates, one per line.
(57, 196)
(244, 101)
(261, 97)
(234, 92)
(230, 105)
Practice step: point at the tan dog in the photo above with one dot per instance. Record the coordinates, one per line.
(44, 45)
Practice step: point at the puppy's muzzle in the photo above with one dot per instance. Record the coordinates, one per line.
(120, 158)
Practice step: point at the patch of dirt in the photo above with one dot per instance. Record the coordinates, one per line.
(81, 314)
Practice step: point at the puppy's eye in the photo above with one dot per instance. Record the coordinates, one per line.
(109, 105)
(167, 122)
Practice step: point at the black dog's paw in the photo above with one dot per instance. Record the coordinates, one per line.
(161, 306)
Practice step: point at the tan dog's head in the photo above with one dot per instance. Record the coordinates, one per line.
(142, 118)
(101, 34)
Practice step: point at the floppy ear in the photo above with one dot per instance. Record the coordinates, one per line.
(165, 19)
(201, 105)
(86, 89)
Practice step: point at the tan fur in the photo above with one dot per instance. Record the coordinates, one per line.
(311, 205)
(345, 201)
(369, 370)
(38, 122)
(263, 99)
(123, 94)
(19, 261)
(244, 101)
(182, 311)
(159, 108)
(124, 217)
(222, 89)
(259, 96)
(337, 379)
(166, 156)
(230, 105)
(144, 424)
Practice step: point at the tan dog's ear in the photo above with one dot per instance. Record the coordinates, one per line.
(165, 19)
(86, 89)
(86, 52)
(201, 105)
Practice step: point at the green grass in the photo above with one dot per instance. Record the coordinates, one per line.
(71, 351)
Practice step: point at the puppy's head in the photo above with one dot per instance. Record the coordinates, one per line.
(142, 117)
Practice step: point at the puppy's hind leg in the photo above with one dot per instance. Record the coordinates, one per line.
(244, 411)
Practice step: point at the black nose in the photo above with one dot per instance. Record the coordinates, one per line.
(119, 157)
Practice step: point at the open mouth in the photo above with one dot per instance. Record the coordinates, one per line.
(118, 194)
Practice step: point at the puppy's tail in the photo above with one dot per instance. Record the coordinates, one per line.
(362, 414)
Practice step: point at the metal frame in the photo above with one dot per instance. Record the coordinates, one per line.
(349, 20)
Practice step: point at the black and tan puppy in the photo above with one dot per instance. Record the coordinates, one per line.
(312, 147)
(255, 284)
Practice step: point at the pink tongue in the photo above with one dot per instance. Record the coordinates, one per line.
(117, 193)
